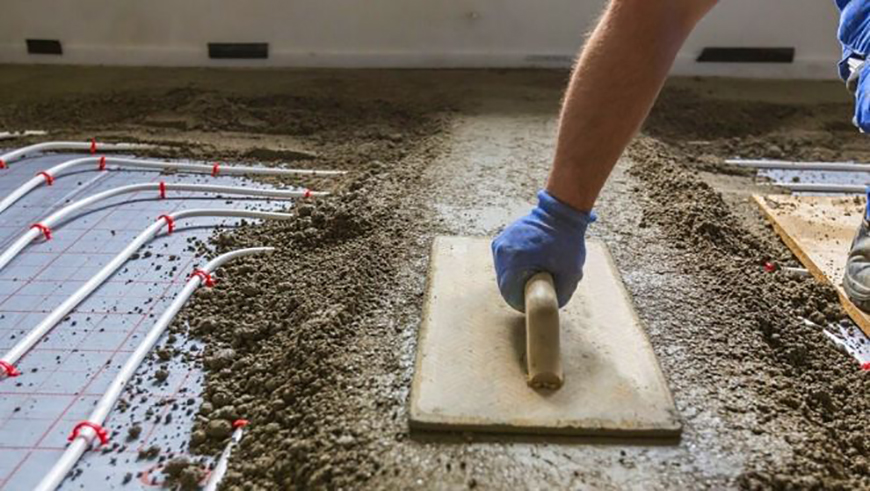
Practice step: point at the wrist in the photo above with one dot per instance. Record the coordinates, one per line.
(563, 185)
(564, 212)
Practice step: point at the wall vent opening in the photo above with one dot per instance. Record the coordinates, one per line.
(238, 51)
(747, 55)
(44, 47)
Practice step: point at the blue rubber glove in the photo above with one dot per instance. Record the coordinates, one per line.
(854, 35)
(552, 238)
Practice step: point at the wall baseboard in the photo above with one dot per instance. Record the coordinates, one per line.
(685, 65)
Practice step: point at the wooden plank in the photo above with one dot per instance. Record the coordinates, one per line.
(819, 231)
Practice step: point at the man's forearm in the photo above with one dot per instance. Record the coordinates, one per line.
(614, 85)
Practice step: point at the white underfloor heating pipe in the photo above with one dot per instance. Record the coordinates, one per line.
(44, 227)
(8, 135)
(810, 187)
(816, 166)
(92, 146)
(25, 344)
(220, 469)
(82, 439)
(99, 163)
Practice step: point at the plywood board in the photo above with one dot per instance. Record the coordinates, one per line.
(470, 373)
(819, 231)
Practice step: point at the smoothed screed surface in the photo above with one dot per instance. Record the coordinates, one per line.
(471, 375)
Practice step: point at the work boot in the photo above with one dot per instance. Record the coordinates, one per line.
(856, 280)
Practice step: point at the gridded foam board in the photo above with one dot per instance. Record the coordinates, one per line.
(64, 376)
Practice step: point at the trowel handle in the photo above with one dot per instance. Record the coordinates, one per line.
(542, 333)
(540, 288)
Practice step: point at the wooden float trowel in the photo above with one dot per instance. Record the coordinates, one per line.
(585, 369)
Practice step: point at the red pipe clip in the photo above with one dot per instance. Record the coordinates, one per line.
(93, 145)
(2, 164)
(48, 179)
(162, 188)
(46, 232)
(101, 432)
(240, 423)
(205, 277)
(215, 170)
(102, 163)
(10, 369)
(865, 366)
(306, 194)
(170, 223)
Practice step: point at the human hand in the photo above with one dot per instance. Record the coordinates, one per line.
(552, 239)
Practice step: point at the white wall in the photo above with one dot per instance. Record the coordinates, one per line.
(391, 33)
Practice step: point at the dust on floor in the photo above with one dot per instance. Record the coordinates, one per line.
(315, 344)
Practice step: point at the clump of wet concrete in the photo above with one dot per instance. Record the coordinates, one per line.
(161, 375)
(149, 453)
(805, 390)
(134, 432)
(183, 474)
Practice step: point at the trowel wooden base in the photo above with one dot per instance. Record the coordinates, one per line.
(471, 367)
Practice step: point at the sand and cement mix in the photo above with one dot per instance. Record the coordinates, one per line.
(314, 344)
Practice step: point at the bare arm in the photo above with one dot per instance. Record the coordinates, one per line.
(619, 74)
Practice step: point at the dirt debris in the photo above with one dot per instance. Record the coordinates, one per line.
(133, 432)
(183, 474)
(149, 453)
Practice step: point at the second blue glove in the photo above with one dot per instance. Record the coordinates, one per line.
(552, 238)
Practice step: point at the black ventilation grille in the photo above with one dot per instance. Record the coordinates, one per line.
(747, 55)
(238, 51)
(44, 47)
